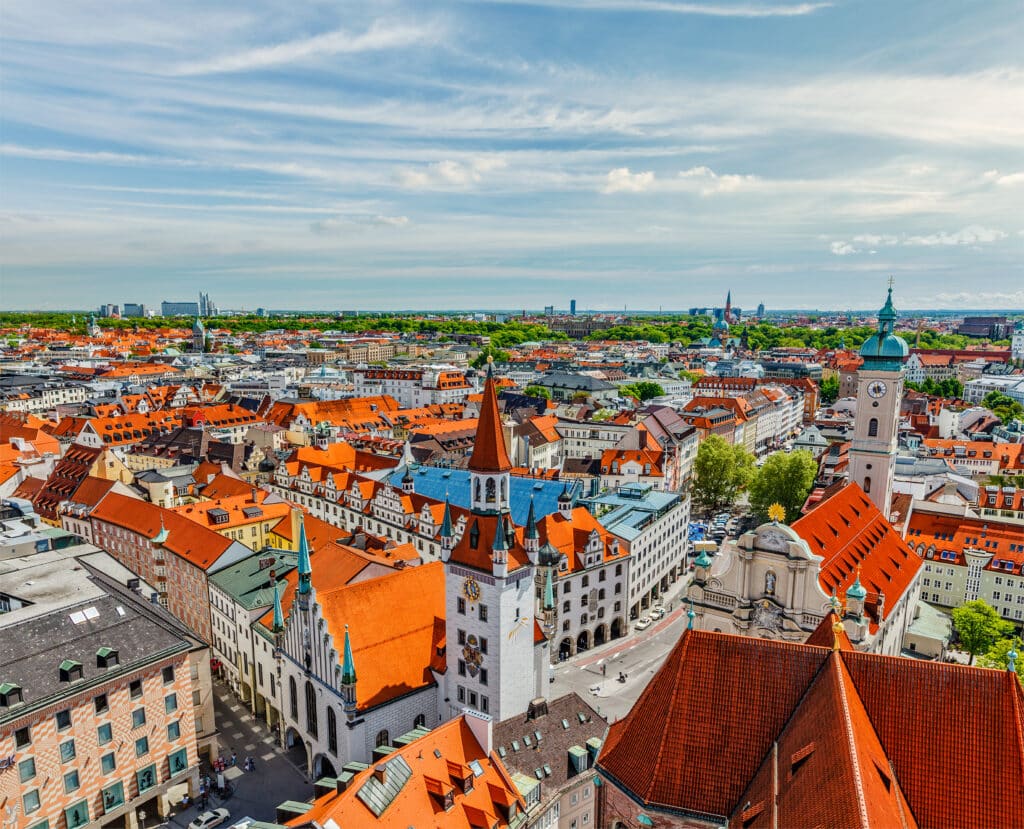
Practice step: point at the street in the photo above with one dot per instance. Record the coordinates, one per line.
(257, 793)
(593, 674)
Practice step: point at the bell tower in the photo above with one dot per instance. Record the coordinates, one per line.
(879, 393)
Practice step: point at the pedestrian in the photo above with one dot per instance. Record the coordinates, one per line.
(234, 759)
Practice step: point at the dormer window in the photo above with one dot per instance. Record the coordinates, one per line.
(10, 695)
(106, 658)
(70, 671)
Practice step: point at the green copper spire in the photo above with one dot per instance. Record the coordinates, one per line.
(531, 523)
(446, 522)
(305, 568)
(500, 541)
(857, 590)
(549, 591)
(278, 613)
(348, 666)
(703, 560)
(690, 616)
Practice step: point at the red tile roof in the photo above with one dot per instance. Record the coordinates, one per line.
(869, 735)
(853, 537)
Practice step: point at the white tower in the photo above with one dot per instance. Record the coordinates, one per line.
(879, 393)
(489, 577)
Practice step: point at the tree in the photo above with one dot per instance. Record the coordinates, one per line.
(998, 655)
(691, 376)
(829, 389)
(537, 391)
(1002, 406)
(979, 627)
(784, 479)
(720, 472)
(642, 390)
(490, 351)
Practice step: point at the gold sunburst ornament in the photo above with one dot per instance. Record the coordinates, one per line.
(777, 513)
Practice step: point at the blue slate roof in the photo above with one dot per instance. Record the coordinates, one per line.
(436, 482)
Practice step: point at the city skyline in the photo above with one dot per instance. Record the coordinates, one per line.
(624, 152)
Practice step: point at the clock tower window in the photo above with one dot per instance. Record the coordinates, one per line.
(873, 427)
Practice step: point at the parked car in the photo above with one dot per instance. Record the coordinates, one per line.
(643, 624)
(657, 613)
(207, 820)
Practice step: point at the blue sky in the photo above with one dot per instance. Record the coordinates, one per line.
(640, 153)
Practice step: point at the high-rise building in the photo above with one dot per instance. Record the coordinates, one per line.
(206, 307)
(134, 309)
(572, 307)
(109, 310)
(760, 310)
(549, 310)
(179, 309)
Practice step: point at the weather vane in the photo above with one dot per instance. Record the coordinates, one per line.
(777, 512)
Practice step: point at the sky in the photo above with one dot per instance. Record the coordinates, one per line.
(636, 154)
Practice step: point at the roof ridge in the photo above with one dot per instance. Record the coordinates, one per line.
(685, 641)
(839, 668)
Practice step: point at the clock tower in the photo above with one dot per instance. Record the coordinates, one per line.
(494, 658)
(879, 393)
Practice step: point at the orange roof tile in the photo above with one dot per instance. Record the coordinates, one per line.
(489, 452)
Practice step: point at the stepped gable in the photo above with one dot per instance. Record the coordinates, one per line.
(489, 452)
(852, 536)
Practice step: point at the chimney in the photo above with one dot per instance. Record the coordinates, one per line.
(380, 774)
(482, 727)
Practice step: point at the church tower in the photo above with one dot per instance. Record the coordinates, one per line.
(879, 393)
(489, 586)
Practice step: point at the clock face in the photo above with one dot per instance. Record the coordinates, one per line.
(877, 388)
(470, 589)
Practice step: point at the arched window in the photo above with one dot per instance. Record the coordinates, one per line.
(293, 698)
(478, 489)
(504, 489)
(873, 427)
(490, 489)
(383, 739)
(565, 607)
(332, 731)
(420, 721)
(310, 709)
(867, 484)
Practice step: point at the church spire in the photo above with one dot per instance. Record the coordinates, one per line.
(489, 452)
(305, 568)
(348, 665)
(278, 626)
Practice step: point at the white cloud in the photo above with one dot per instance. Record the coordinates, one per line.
(450, 173)
(754, 10)
(970, 235)
(379, 36)
(621, 180)
(340, 224)
(981, 299)
(1003, 180)
(711, 182)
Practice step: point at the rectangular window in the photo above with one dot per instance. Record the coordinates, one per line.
(135, 688)
(483, 644)
(113, 797)
(168, 675)
(22, 737)
(484, 704)
(483, 676)
(104, 734)
(197, 698)
(472, 698)
(30, 801)
(108, 763)
(63, 720)
(71, 782)
(460, 605)
(461, 694)
(141, 746)
(483, 612)
(170, 703)
(138, 717)
(173, 731)
(77, 815)
(462, 636)
(27, 769)
(101, 704)
(67, 751)
(178, 761)
(462, 667)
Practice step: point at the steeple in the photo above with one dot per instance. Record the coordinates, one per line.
(447, 533)
(348, 679)
(489, 452)
(727, 316)
(549, 591)
(531, 538)
(305, 568)
(278, 626)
